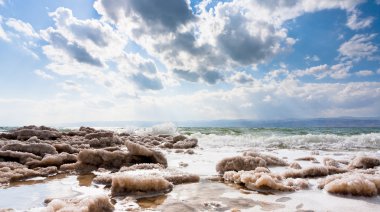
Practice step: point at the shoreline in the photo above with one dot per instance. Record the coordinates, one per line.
(200, 161)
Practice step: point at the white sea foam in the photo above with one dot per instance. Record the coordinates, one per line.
(167, 128)
(309, 141)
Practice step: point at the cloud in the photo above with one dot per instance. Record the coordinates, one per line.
(87, 41)
(289, 98)
(241, 78)
(145, 82)
(3, 35)
(313, 58)
(72, 86)
(355, 23)
(359, 47)
(233, 34)
(72, 49)
(364, 73)
(24, 28)
(43, 74)
(337, 71)
(2, 2)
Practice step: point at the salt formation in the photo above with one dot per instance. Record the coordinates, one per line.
(308, 158)
(269, 159)
(142, 166)
(141, 154)
(14, 172)
(37, 149)
(53, 160)
(139, 184)
(185, 144)
(352, 183)
(263, 179)
(20, 157)
(101, 158)
(99, 203)
(24, 133)
(295, 165)
(331, 162)
(238, 163)
(171, 175)
(65, 148)
(249, 161)
(315, 171)
(364, 162)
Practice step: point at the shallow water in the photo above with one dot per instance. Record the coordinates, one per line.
(214, 145)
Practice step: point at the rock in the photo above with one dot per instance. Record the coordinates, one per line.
(37, 149)
(186, 144)
(238, 163)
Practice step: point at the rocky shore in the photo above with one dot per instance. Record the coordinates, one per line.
(131, 166)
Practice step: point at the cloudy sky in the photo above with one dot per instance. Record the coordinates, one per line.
(170, 60)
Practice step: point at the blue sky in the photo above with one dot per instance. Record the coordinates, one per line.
(173, 60)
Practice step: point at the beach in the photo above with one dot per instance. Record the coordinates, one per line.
(194, 181)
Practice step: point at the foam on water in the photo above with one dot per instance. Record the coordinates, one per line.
(308, 141)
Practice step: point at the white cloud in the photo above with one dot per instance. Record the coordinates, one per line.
(241, 78)
(288, 98)
(313, 58)
(355, 23)
(359, 47)
(378, 71)
(22, 27)
(2, 2)
(73, 87)
(209, 43)
(337, 71)
(43, 74)
(3, 35)
(364, 73)
(378, 2)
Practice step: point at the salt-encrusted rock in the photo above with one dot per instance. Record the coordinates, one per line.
(269, 159)
(99, 135)
(179, 138)
(53, 160)
(142, 166)
(331, 162)
(43, 133)
(295, 165)
(65, 148)
(238, 163)
(357, 184)
(263, 179)
(12, 173)
(100, 203)
(20, 157)
(104, 142)
(37, 149)
(315, 171)
(171, 175)
(102, 158)
(139, 184)
(307, 158)
(141, 154)
(186, 144)
(87, 129)
(364, 162)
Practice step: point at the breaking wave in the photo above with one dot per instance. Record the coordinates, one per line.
(308, 141)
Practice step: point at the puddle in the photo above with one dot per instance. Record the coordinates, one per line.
(32, 193)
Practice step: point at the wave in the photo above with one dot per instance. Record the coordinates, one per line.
(308, 141)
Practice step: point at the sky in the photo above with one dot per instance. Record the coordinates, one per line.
(65, 61)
